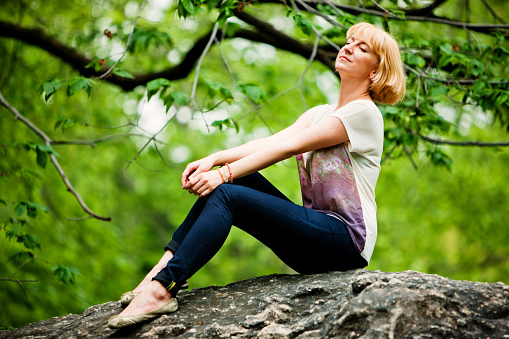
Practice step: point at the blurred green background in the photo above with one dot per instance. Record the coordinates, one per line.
(452, 223)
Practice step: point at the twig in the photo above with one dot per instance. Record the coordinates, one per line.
(301, 79)
(493, 12)
(192, 99)
(127, 44)
(314, 28)
(254, 108)
(200, 61)
(164, 160)
(475, 27)
(475, 39)
(418, 91)
(93, 143)
(47, 140)
(146, 168)
(462, 143)
(314, 11)
(410, 157)
(389, 13)
(388, 154)
(452, 81)
(18, 280)
(105, 127)
(152, 139)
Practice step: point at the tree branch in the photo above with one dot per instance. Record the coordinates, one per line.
(108, 72)
(461, 143)
(198, 66)
(47, 140)
(285, 42)
(93, 142)
(18, 280)
(409, 16)
(39, 38)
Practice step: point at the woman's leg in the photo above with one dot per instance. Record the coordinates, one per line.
(158, 267)
(306, 240)
(255, 180)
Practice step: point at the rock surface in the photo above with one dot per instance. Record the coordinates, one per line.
(353, 304)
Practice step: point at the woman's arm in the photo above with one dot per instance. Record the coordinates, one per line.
(328, 132)
(233, 154)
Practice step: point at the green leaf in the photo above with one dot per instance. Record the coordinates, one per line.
(31, 211)
(2, 201)
(252, 91)
(65, 274)
(79, 83)
(189, 6)
(30, 241)
(143, 38)
(215, 87)
(168, 102)
(438, 90)
(334, 32)
(180, 97)
(446, 48)
(20, 209)
(122, 73)
(96, 64)
(32, 173)
(38, 206)
(415, 60)
(64, 123)
(501, 99)
(228, 123)
(232, 28)
(49, 88)
(398, 13)
(10, 234)
(182, 11)
(42, 158)
(303, 23)
(439, 158)
(155, 85)
(218, 124)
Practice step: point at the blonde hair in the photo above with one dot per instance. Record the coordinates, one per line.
(388, 84)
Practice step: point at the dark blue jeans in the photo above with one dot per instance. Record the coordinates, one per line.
(306, 240)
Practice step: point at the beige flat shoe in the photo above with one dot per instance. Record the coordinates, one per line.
(118, 321)
(127, 297)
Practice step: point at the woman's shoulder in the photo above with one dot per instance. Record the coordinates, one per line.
(358, 108)
(318, 112)
(320, 108)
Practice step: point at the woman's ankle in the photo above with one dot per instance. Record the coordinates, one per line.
(159, 291)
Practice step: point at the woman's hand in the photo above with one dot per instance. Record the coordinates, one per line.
(203, 183)
(195, 168)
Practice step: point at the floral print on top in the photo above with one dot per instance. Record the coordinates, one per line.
(328, 185)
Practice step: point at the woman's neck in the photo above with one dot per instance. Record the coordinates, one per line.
(350, 91)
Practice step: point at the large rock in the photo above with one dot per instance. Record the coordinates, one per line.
(354, 304)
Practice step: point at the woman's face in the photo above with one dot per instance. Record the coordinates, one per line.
(356, 59)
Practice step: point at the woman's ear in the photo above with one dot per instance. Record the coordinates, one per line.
(372, 74)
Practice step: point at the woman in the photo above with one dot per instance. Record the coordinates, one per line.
(338, 149)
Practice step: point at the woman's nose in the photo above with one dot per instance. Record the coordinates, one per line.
(348, 48)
